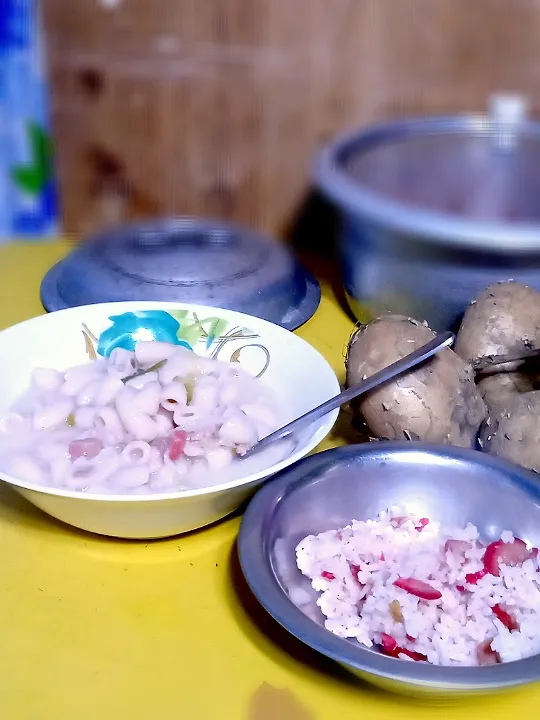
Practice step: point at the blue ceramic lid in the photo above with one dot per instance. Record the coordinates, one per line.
(186, 260)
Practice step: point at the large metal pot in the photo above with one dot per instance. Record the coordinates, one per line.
(435, 210)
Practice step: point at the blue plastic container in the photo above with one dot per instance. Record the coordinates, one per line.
(28, 205)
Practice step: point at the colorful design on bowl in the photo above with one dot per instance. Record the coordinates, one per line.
(130, 328)
(204, 335)
(194, 330)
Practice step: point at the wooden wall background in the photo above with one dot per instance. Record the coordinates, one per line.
(216, 106)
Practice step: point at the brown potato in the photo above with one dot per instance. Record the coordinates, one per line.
(504, 319)
(514, 433)
(437, 402)
(498, 390)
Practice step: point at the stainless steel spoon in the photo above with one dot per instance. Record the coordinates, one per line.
(400, 366)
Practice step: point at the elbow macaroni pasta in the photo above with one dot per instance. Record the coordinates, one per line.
(175, 427)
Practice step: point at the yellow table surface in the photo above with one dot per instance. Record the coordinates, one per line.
(93, 628)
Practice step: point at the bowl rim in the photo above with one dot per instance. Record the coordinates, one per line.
(434, 226)
(257, 568)
(298, 453)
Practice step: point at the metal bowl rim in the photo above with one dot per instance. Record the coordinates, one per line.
(52, 300)
(293, 317)
(436, 227)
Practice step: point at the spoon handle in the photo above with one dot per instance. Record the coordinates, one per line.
(402, 365)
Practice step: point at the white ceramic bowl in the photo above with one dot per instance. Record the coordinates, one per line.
(299, 375)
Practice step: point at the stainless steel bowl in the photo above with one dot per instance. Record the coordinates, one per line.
(329, 489)
(450, 200)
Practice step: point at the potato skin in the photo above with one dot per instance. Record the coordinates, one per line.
(514, 433)
(437, 402)
(505, 318)
(498, 390)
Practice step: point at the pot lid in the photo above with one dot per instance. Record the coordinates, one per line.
(186, 260)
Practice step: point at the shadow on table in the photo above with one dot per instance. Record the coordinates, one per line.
(23, 515)
(282, 641)
(312, 235)
(16, 510)
(349, 429)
